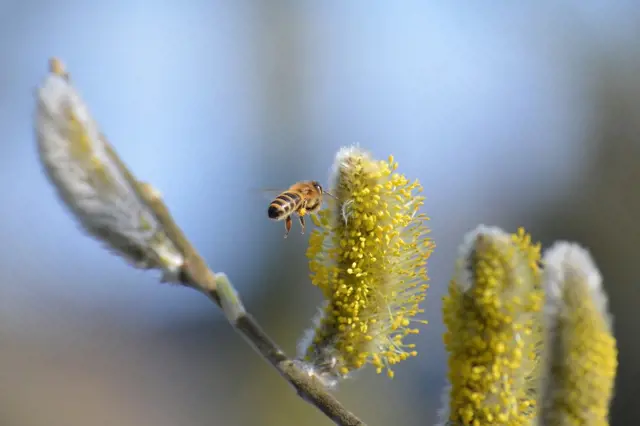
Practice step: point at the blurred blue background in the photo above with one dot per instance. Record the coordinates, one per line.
(514, 114)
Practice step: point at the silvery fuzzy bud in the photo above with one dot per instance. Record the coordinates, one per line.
(92, 181)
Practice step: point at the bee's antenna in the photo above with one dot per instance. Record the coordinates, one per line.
(330, 195)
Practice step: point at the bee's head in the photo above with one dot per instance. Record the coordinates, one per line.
(317, 186)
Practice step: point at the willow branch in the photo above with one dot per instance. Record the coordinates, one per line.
(196, 274)
(131, 220)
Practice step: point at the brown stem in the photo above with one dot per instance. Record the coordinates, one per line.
(309, 388)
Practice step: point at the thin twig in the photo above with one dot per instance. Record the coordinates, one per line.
(196, 274)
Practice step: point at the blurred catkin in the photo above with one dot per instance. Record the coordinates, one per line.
(102, 194)
(580, 352)
(493, 314)
(368, 255)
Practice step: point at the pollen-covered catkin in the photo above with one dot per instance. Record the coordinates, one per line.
(368, 255)
(493, 314)
(103, 196)
(581, 352)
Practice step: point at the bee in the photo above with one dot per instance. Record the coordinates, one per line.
(301, 198)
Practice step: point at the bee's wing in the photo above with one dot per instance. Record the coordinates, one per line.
(269, 194)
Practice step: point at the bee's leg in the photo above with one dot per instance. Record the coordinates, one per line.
(301, 222)
(287, 226)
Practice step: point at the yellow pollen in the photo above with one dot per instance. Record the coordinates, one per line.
(371, 267)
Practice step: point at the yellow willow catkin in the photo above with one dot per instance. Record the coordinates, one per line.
(581, 353)
(96, 187)
(368, 255)
(492, 314)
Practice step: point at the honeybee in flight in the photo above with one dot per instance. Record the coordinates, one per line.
(301, 198)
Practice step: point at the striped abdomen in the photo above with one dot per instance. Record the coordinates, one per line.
(284, 204)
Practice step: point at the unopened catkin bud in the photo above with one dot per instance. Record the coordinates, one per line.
(95, 185)
(368, 255)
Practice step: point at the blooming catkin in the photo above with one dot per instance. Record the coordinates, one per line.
(368, 255)
(581, 353)
(94, 184)
(492, 315)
